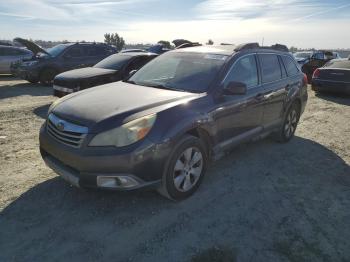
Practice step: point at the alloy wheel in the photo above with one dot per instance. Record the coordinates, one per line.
(291, 123)
(188, 169)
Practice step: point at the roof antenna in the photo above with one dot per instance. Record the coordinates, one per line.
(262, 42)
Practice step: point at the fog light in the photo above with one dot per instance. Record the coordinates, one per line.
(116, 181)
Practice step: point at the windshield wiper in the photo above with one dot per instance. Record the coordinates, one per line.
(130, 82)
(160, 86)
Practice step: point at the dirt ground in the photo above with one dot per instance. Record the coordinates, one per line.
(263, 202)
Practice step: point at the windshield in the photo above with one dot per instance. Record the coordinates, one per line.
(192, 72)
(302, 55)
(114, 62)
(338, 64)
(56, 50)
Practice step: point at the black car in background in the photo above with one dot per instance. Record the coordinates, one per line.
(333, 77)
(113, 68)
(317, 60)
(60, 58)
(161, 127)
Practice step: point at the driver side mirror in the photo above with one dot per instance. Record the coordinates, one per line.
(235, 88)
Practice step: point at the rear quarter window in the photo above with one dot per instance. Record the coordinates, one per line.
(270, 68)
(290, 66)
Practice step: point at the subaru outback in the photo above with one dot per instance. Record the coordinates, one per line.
(160, 128)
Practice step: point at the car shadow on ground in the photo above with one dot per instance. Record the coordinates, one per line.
(17, 88)
(41, 111)
(267, 199)
(342, 99)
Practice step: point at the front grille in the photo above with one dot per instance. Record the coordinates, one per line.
(65, 132)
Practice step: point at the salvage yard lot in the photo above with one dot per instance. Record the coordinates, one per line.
(263, 202)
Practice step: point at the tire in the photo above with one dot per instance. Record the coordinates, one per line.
(58, 93)
(185, 169)
(47, 75)
(290, 123)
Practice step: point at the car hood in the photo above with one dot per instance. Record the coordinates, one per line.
(84, 73)
(117, 103)
(31, 46)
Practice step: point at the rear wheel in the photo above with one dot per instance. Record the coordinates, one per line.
(289, 125)
(47, 75)
(185, 169)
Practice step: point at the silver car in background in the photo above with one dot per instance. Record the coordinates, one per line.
(10, 55)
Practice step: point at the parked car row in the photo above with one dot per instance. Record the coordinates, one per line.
(161, 126)
(46, 64)
(311, 60)
(36, 64)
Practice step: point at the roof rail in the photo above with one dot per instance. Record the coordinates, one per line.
(188, 45)
(280, 47)
(246, 46)
(226, 44)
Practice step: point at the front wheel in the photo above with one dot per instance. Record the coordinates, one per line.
(289, 125)
(185, 169)
(47, 75)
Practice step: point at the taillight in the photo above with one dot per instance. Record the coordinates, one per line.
(316, 73)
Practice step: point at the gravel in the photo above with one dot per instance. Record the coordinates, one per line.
(263, 202)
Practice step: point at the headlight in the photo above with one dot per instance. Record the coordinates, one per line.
(30, 63)
(126, 134)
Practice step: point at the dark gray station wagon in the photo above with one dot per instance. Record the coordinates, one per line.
(161, 127)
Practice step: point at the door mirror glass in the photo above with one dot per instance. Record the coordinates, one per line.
(235, 88)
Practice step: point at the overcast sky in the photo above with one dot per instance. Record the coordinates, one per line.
(319, 24)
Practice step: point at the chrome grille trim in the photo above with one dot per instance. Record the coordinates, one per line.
(65, 132)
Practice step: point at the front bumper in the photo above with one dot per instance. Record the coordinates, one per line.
(82, 166)
(330, 86)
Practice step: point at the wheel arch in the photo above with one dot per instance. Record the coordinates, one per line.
(204, 136)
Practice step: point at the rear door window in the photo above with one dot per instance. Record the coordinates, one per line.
(244, 71)
(290, 66)
(270, 68)
(75, 51)
(91, 50)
